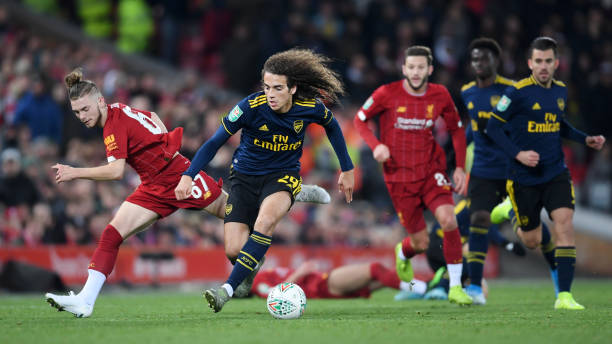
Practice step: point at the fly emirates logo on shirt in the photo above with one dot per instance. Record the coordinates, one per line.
(412, 123)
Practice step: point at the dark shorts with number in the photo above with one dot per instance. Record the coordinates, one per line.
(484, 194)
(528, 200)
(247, 192)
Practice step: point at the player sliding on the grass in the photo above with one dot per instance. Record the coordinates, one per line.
(347, 281)
(140, 139)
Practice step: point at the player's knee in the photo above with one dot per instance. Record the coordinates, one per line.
(448, 222)
(481, 218)
(532, 242)
(420, 244)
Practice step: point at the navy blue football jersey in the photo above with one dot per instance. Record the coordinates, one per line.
(489, 160)
(271, 141)
(534, 115)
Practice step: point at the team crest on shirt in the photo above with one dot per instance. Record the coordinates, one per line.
(430, 109)
(110, 143)
(561, 103)
(524, 220)
(228, 209)
(298, 125)
(494, 100)
(235, 114)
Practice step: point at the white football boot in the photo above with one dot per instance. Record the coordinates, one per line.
(70, 303)
(313, 194)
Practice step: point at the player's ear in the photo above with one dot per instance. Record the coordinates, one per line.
(529, 63)
(101, 102)
(293, 89)
(556, 63)
(430, 70)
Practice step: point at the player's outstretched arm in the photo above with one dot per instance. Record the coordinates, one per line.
(306, 268)
(113, 171)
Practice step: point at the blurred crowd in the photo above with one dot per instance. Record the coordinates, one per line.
(225, 43)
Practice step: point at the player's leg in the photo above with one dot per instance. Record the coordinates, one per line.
(272, 209)
(409, 209)
(217, 207)
(483, 194)
(445, 215)
(558, 199)
(129, 219)
(350, 278)
(565, 256)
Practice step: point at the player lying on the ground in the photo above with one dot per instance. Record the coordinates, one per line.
(140, 139)
(438, 287)
(348, 281)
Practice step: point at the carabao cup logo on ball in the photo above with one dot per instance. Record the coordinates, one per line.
(286, 301)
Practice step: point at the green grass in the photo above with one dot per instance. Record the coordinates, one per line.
(517, 312)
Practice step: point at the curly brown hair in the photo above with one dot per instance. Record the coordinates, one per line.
(308, 71)
(77, 87)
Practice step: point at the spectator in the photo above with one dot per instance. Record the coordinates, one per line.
(38, 111)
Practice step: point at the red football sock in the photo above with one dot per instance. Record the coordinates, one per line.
(451, 245)
(105, 255)
(407, 248)
(385, 276)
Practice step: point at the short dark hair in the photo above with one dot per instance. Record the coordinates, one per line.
(419, 50)
(542, 43)
(486, 43)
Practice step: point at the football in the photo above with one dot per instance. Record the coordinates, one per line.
(286, 301)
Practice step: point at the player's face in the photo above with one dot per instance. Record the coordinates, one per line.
(416, 70)
(87, 110)
(278, 94)
(543, 64)
(483, 63)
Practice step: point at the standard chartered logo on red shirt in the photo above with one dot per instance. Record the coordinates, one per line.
(412, 123)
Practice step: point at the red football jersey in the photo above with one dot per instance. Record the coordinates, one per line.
(406, 122)
(131, 134)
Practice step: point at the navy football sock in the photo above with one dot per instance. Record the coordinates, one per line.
(548, 247)
(249, 257)
(566, 261)
(479, 244)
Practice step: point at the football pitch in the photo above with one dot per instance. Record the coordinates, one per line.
(517, 312)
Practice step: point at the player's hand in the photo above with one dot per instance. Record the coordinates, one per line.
(516, 248)
(346, 183)
(528, 158)
(381, 153)
(460, 181)
(595, 142)
(183, 189)
(64, 173)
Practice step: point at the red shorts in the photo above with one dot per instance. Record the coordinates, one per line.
(315, 287)
(158, 195)
(411, 199)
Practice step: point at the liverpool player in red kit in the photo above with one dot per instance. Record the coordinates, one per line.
(140, 139)
(414, 164)
(347, 281)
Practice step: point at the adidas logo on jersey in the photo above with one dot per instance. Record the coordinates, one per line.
(264, 128)
(536, 106)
